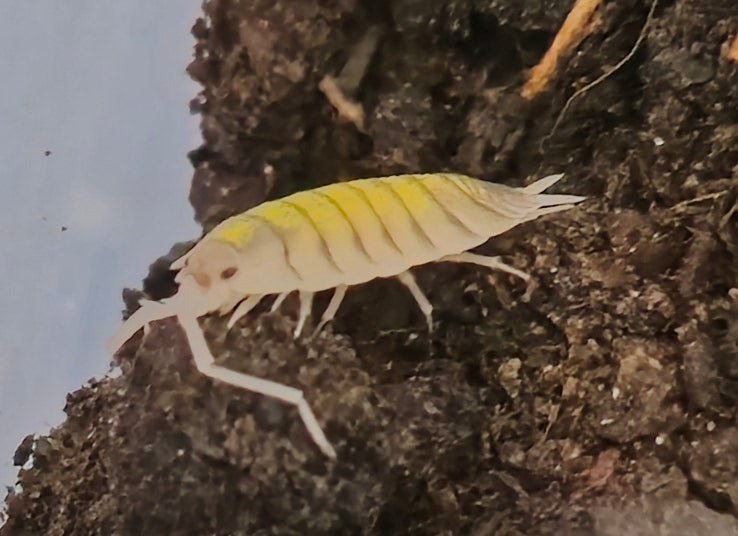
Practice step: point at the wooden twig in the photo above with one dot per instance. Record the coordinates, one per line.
(348, 110)
(578, 25)
(341, 91)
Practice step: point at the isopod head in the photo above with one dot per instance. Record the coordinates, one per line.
(227, 267)
(209, 277)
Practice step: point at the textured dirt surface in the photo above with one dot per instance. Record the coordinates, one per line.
(600, 400)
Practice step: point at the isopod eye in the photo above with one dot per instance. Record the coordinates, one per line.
(228, 272)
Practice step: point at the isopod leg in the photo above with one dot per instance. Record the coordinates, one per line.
(244, 307)
(280, 299)
(407, 279)
(205, 363)
(330, 311)
(306, 305)
(490, 262)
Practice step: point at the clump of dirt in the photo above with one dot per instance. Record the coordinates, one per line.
(600, 399)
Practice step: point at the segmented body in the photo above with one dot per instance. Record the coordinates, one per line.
(348, 233)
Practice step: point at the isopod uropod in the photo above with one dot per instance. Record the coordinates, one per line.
(332, 237)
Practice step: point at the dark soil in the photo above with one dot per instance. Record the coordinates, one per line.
(599, 400)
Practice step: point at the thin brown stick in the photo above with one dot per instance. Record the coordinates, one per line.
(578, 25)
(348, 110)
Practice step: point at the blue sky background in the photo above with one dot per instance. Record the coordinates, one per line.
(102, 85)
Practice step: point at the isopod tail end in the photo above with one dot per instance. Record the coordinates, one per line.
(543, 184)
(552, 200)
(550, 210)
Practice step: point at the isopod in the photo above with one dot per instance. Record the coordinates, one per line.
(336, 236)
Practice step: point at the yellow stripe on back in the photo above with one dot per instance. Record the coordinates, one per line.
(394, 215)
(374, 238)
(341, 238)
(460, 201)
(306, 248)
(237, 231)
(414, 197)
(432, 213)
(279, 214)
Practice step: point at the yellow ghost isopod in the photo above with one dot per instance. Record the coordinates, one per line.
(336, 236)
